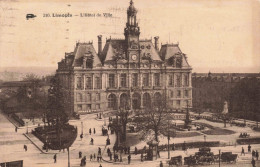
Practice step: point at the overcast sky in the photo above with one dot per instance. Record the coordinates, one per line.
(216, 35)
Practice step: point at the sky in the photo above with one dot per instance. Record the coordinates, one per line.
(216, 35)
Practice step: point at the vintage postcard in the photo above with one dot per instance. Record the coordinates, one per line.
(156, 83)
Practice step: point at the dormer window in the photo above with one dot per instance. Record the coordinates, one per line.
(179, 62)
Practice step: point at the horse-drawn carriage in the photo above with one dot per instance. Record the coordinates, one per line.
(175, 161)
(204, 156)
(228, 157)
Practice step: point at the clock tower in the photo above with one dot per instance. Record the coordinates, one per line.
(132, 32)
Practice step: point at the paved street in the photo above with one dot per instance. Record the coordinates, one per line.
(12, 148)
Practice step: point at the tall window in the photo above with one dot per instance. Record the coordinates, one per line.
(135, 80)
(88, 97)
(186, 92)
(123, 80)
(157, 79)
(111, 80)
(171, 93)
(178, 80)
(79, 97)
(178, 102)
(146, 79)
(79, 107)
(186, 80)
(112, 101)
(171, 80)
(97, 96)
(178, 93)
(97, 83)
(79, 82)
(89, 82)
(88, 106)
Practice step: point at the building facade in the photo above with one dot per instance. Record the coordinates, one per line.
(211, 90)
(129, 71)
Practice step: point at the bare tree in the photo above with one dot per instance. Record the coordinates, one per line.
(154, 119)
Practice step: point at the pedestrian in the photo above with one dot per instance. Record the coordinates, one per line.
(243, 151)
(94, 156)
(25, 147)
(129, 158)
(158, 153)
(110, 155)
(81, 136)
(15, 129)
(55, 158)
(142, 157)
(90, 131)
(253, 153)
(253, 162)
(108, 151)
(135, 150)
(80, 154)
(92, 141)
(173, 146)
(100, 165)
(249, 148)
(99, 151)
(161, 164)
(94, 131)
(121, 160)
(257, 155)
(82, 162)
(108, 141)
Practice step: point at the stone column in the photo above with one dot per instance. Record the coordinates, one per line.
(93, 80)
(84, 82)
(118, 80)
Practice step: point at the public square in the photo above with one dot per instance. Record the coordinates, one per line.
(12, 143)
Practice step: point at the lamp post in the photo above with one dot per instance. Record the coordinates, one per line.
(219, 158)
(168, 141)
(82, 127)
(26, 127)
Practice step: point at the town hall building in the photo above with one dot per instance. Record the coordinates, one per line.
(129, 72)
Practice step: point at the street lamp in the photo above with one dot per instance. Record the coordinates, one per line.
(82, 127)
(26, 127)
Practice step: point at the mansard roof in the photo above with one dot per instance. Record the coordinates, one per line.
(112, 49)
(173, 50)
(83, 49)
(148, 49)
(116, 49)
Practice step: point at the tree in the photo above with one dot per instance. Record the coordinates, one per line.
(55, 104)
(123, 114)
(31, 77)
(154, 119)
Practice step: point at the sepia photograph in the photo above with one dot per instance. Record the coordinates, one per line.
(158, 83)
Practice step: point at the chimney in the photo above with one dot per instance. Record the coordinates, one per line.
(156, 42)
(99, 44)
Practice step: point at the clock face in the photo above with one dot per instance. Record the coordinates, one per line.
(134, 57)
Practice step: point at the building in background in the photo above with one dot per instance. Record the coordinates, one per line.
(211, 90)
(129, 71)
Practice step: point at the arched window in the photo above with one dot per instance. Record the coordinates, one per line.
(112, 101)
(157, 99)
(146, 100)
